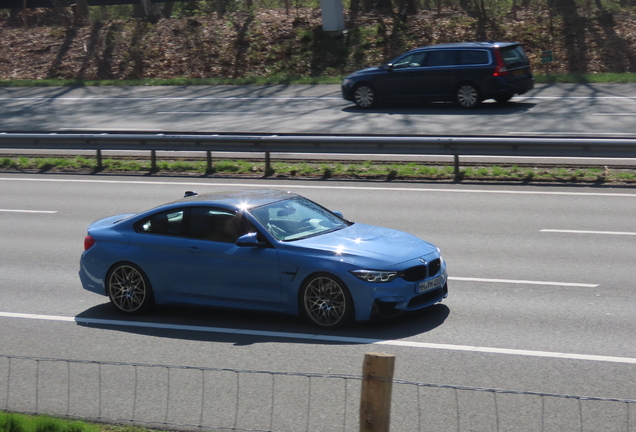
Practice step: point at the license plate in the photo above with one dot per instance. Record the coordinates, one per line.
(429, 285)
(517, 72)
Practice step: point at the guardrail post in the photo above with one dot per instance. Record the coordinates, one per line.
(153, 160)
(208, 159)
(377, 385)
(268, 164)
(456, 165)
(99, 159)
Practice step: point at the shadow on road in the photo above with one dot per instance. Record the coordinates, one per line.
(441, 108)
(242, 327)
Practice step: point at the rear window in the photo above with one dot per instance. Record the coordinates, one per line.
(474, 57)
(513, 56)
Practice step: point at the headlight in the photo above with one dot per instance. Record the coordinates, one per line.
(374, 275)
(346, 81)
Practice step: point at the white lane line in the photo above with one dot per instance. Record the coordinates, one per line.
(28, 211)
(321, 187)
(523, 282)
(588, 232)
(576, 97)
(202, 98)
(614, 114)
(325, 338)
(205, 112)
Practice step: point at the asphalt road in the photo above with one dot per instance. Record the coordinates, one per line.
(542, 288)
(564, 109)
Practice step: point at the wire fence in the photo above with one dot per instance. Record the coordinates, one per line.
(198, 398)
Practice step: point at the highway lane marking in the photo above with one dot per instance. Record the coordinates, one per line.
(28, 211)
(523, 282)
(205, 112)
(588, 232)
(614, 114)
(202, 98)
(321, 187)
(326, 338)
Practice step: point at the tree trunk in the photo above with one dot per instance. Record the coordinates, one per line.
(80, 10)
(166, 11)
(145, 9)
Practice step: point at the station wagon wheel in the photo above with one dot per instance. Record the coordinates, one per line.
(129, 289)
(364, 96)
(326, 301)
(467, 96)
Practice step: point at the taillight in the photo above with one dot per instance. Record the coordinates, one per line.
(500, 67)
(88, 242)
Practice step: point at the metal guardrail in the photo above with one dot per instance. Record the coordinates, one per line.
(456, 146)
(354, 144)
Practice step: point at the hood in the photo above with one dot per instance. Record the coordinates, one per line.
(366, 246)
(366, 71)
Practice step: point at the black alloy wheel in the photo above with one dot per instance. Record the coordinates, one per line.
(326, 301)
(129, 289)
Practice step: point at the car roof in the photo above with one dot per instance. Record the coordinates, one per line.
(470, 45)
(238, 199)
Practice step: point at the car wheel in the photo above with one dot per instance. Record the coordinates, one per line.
(467, 96)
(503, 99)
(364, 96)
(129, 289)
(326, 301)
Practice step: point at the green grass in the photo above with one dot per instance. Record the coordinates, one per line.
(286, 80)
(325, 169)
(14, 422)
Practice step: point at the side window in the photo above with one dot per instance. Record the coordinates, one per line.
(218, 225)
(165, 223)
(440, 58)
(410, 60)
(474, 57)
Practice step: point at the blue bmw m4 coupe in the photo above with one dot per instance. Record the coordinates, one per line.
(260, 249)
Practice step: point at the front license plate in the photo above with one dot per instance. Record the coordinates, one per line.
(429, 285)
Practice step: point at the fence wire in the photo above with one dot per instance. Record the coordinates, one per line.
(220, 399)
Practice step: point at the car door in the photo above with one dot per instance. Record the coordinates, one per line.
(403, 79)
(439, 73)
(157, 248)
(220, 272)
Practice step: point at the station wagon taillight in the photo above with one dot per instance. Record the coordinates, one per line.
(88, 242)
(500, 66)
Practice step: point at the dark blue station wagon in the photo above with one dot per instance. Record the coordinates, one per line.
(464, 73)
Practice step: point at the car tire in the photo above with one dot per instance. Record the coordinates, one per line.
(503, 99)
(326, 301)
(364, 96)
(467, 96)
(129, 289)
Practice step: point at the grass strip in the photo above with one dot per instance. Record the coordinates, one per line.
(325, 169)
(597, 78)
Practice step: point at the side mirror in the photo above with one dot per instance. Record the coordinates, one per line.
(339, 214)
(249, 239)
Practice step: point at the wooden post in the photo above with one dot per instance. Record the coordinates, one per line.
(208, 159)
(377, 385)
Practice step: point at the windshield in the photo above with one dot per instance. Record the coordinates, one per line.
(297, 218)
